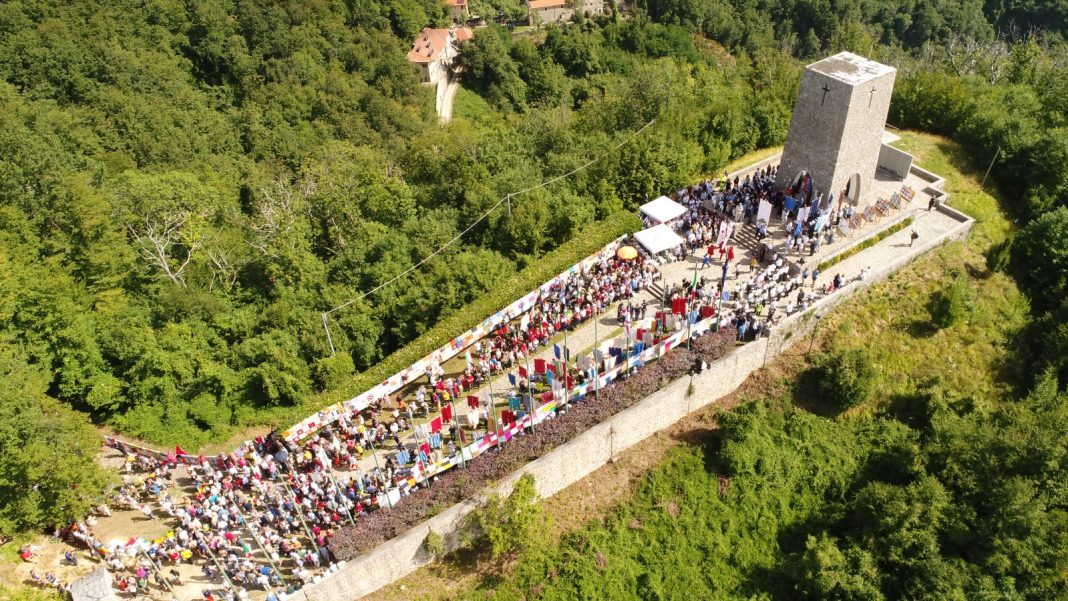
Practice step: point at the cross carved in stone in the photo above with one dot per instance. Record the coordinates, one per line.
(871, 95)
(825, 90)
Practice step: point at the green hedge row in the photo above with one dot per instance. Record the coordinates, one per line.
(582, 245)
(897, 227)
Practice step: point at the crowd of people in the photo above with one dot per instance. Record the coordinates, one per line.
(772, 288)
(261, 517)
(251, 521)
(568, 303)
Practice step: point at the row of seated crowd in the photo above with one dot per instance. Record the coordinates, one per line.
(262, 516)
(253, 522)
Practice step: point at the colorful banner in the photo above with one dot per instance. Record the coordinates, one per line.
(456, 346)
(420, 473)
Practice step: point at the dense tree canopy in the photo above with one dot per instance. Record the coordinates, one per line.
(966, 506)
(48, 470)
(186, 186)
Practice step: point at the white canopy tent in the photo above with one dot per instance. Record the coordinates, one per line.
(663, 209)
(658, 238)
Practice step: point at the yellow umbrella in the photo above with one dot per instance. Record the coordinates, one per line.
(627, 253)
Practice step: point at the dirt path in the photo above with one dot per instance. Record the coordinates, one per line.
(445, 106)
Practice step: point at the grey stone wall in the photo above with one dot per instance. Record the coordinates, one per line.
(894, 161)
(858, 152)
(597, 446)
(836, 131)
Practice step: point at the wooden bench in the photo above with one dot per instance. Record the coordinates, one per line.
(854, 221)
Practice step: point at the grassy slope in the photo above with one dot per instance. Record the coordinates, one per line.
(890, 319)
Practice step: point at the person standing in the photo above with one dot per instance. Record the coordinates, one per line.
(913, 237)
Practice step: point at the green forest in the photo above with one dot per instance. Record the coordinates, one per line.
(185, 187)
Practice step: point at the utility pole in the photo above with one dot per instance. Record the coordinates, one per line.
(459, 435)
(530, 388)
(300, 513)
(378, 468)
(689, 317)
(812, 340)
(159, 571)
(256, 539)
(983, 185)
(493, 410)
(329, 340)
(567, 358)
(596, 349)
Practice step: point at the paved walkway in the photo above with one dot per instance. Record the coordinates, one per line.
(928, 224)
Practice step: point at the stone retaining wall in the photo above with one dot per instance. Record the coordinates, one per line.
(597, 446)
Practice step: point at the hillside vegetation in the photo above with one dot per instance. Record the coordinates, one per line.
(943, 484)
(185, 187)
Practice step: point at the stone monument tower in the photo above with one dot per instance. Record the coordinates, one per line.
(837, 126)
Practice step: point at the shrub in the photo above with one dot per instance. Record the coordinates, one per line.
(845, 378)
(510, 525)
(434, 544)
(865, 244)
(999, 255)
(333, 372)
(949, 305)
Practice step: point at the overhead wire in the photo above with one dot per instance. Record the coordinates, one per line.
(487, 213)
